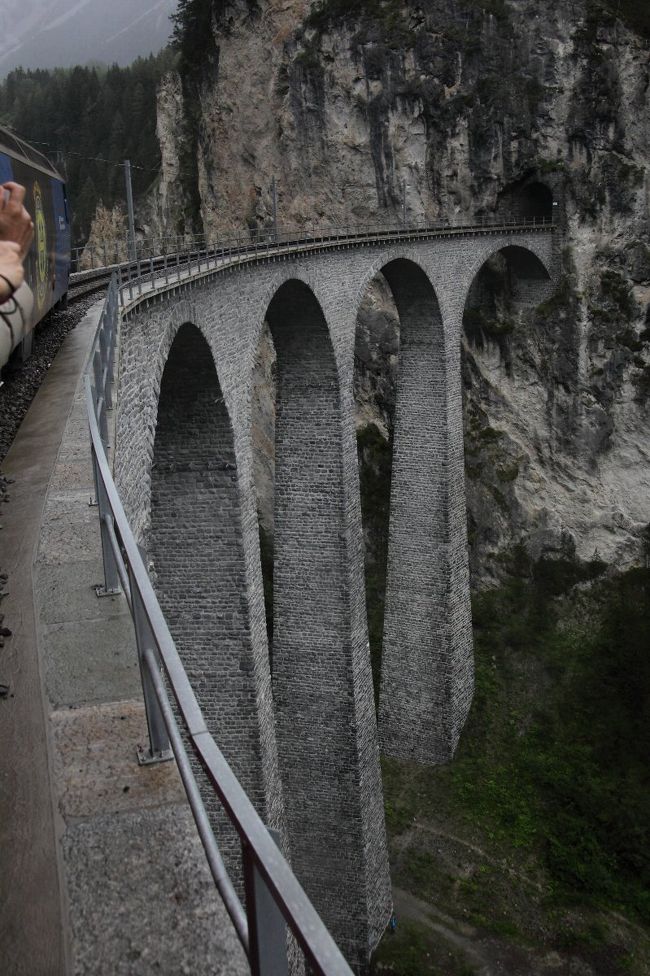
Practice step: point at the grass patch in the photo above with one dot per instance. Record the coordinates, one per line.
(553, 762)
(412, 951)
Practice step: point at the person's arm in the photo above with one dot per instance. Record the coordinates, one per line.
(15, 223)
(11, 269)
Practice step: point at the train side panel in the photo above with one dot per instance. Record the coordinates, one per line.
(61, 238)
(48, 261)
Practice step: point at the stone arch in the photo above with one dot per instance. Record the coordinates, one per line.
(427, 666)
(527, 262)
(503, 339)
(195, 546)
(322, 689)
(504, 276)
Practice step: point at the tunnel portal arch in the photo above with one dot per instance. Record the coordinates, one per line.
(527, 199)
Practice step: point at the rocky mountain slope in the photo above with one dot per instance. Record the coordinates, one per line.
(459, 106)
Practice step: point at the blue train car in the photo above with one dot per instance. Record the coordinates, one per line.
(47, 265)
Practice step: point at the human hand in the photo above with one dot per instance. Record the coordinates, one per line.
(11, 269)
(15, 223)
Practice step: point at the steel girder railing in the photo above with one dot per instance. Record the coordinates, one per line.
(102, 254)
(174, 267)
(274, 899)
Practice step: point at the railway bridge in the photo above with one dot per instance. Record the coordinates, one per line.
(302, 736)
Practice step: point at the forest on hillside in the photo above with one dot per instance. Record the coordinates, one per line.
(87, 120)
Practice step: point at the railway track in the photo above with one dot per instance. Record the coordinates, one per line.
(87, 282)
(82, 289)
(84, 283)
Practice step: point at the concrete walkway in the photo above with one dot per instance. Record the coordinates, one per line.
(102, 870)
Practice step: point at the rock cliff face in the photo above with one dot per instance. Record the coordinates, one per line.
(452, 108)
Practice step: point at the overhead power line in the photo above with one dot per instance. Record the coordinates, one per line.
(90, 159)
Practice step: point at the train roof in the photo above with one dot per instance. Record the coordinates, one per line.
(17, 148)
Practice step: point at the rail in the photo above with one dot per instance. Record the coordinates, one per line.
(95, 255)
(274, 899)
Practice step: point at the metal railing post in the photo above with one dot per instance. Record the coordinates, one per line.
(104, 347)
(111, 585)
(267, 929)
(100, 402)
(159, 747)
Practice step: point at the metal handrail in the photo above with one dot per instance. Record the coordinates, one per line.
(104, 254)
(274, 898)
(177, 266)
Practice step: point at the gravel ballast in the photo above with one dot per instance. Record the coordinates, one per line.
(22, 380)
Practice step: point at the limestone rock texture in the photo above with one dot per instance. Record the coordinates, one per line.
(452, 109)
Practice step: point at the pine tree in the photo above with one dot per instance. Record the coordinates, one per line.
(85, 209)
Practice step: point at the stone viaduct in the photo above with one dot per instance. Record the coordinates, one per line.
(303, 739)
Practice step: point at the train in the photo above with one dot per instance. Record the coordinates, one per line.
(47, 265)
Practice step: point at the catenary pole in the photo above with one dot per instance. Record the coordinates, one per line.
(129, 206)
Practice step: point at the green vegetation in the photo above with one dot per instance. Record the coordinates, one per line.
(193, 35)
(88, 120)
(407, 952)
(479, 325)
(617, 291)
(614, 305)
(328, 13)
(551, 779)
(195, 22)
(563, 299)
(388, 14)
(508, 472)
(633, 13)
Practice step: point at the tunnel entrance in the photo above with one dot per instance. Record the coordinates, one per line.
(526, 200)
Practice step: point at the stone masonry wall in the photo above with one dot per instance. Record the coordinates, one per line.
(323, 681)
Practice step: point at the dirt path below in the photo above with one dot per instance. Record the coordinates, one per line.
(485, 955)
